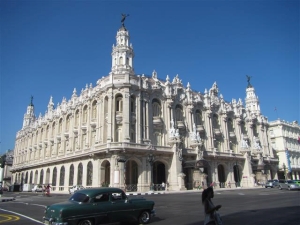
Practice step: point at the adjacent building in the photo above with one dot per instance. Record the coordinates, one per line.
(285, 141)
(136, 131)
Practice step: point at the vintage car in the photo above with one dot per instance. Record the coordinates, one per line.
(94, 206)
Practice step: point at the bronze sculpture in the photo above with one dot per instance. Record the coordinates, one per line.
(123, 18)
(248, 80)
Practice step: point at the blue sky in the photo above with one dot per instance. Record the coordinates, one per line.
(48, 48)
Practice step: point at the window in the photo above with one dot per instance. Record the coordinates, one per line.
(103, 197)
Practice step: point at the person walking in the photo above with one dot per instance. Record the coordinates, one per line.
(211, 216)
(163, 186)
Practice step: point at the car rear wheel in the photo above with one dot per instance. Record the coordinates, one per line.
(279, 187)
(144, 218)
(85, 222)
(289, 188)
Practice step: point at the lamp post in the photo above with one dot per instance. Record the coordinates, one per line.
(151, 159)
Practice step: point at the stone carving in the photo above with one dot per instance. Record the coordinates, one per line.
(244, 142)
(256, 143)
(172, 130)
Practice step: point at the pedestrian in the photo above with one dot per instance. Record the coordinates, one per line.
(48, 190)
(163, 186)
(211, 216)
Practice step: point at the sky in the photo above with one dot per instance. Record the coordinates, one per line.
(48, 48)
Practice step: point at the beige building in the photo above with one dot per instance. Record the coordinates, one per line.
(285, 141)
(133, 130)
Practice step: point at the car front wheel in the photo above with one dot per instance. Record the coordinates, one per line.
(279, 187)
(144, 218)
(85, 222)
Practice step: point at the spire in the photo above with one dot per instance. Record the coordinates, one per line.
(122, 53)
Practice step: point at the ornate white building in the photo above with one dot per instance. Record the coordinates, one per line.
(285, 141)
(131, 131)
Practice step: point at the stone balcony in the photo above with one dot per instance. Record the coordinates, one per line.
(157, 121)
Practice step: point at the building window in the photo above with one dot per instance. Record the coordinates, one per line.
(156, 108)
(62, 176)
(119, 104)
(89, 178)
(198, 118)
(54, 176)
(84, 114)
(79, 175)
(94, 110)
(71, 176)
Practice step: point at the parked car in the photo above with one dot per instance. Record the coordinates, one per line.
(272, 183)
(297, 181)
(288, 184)
(75, 188)
(37, 188)
(103, 205)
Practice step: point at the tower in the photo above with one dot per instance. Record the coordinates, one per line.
(29, 116)
(122, 53)
(252, 102)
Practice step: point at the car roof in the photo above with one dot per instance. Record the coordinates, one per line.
(93, 191)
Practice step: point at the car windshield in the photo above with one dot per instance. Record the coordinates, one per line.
(290, 181)
(79, 197)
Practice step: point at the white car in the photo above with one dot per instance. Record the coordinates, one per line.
(37, 188)
(75, 188)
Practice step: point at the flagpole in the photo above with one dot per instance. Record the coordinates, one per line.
(276, 112)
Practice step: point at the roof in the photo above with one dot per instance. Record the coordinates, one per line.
(92, 191)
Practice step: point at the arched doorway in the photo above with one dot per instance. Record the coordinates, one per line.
(26, 177)
(131, 177)
(79, 175)
(159, 174)
(41, 177)
(221, 176)
(105, 174)
(237, 175)
(36, 177)
(30, 179)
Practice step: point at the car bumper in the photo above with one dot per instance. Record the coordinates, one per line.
(153, 213)
(50, 221)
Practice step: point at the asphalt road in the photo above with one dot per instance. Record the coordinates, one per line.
(239, 207)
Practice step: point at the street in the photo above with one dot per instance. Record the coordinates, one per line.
(239, 206)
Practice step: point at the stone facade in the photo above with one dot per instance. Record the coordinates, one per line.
(136, 131)
(285, 141)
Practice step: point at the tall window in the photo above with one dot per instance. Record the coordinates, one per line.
(119, 104)
(94, 110)
(132, 104)
(79, 175)
(62, 176)
(54, 176)
(215, 121)
(71, 176)
(178, 113)
(89, 177)
(68, 123)
(60, 126)
(53, 130)
(85, 114)
(156, 108)
(230, 125)
(198, 117)
(76, 118)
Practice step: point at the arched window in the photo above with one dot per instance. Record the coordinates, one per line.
(54, 176)
(121, 60)
(62, 176)
(198, 117)
(53, 130)
(215, 121)
(178, 113)
(76, 118)
(94, 110)
(71, 176)
(230, 125)
(119, 103)
(156, 107)
(84, 114)
(68, 123)
(243, 128)
(60, 126)
(79, 175)
(89, 177)
(42, 177)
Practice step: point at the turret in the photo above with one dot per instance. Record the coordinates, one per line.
(252, 102)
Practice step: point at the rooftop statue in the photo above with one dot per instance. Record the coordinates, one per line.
(123, 18)
(248, 80)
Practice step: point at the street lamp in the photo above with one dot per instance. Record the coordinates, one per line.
(151, 159)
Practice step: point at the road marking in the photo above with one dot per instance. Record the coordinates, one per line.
(22, 216)
(8, 218)
(241, 194)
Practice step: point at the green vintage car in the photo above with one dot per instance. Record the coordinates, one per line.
(94, 206)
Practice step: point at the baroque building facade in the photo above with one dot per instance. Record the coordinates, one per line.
(135, 131)
(285, 141)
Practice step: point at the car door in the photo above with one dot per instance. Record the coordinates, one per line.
(101, 208)
(122, 209)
